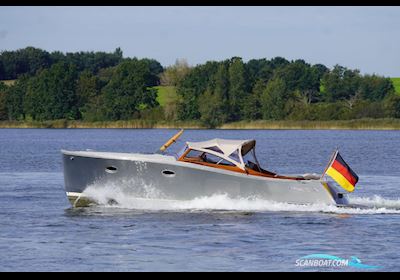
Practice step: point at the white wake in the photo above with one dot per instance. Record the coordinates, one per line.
(144, 197)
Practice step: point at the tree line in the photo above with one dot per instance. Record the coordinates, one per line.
(97, 86)
(278, 89)
(74, 86)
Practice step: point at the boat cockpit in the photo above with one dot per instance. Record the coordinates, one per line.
(233, 155)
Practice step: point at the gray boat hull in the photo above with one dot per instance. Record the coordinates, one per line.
(162, 177)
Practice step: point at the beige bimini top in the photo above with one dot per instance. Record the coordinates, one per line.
(231, 150)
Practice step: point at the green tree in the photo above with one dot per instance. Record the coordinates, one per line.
(23, 61)
(212, 109)
(94, 110)
(188, 107)
(237, 88)
(127, 92)
(320, 70)
(259, 69)
(300, 76)
(33, 60)
(278, 62)
(171, 109)
(9, 62)
(221, 87)
(3, 104)
(90, 61)
(15, 98)
(375, 88)
(301, 111)
(195, 83)
(87, 91)
(104, 75)
(56, 57)
(392, 106)
(341, 83)
(51, 94)
(87, 88)
(293, 74)
(273, 99)
(153, 79)
(2, 72)
(252, 104)
(174, 74)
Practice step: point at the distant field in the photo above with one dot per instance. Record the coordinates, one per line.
(8, 82)
(165, 94)
(396, 83)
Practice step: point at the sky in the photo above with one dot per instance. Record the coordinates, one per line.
(364, 38)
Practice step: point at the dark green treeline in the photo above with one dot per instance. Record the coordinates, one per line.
(98, 86)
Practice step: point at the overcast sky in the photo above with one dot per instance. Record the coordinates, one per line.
(365, 38)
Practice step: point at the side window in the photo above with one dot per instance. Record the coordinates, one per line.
(209, 158)
(216, 160)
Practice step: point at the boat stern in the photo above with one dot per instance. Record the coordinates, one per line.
(338, 196)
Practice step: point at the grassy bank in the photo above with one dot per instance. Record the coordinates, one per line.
(105, 124)
(369, 124)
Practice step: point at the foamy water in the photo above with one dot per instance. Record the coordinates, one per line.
(143, 197)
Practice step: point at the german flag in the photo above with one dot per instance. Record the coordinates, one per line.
(341, 172)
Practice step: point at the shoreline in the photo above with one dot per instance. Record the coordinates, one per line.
(359, 124)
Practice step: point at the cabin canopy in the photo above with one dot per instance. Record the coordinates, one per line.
(231, 150)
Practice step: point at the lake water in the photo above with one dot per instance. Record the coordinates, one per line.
(40, 232)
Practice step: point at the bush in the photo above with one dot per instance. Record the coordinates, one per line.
(365, 109)
(392, 106)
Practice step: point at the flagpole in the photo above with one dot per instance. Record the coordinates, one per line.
(330, 162)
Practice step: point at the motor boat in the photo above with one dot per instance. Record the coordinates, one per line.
(200, 169)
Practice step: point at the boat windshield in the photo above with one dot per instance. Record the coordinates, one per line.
(181, 152)
(235, 156)
(250, 161)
